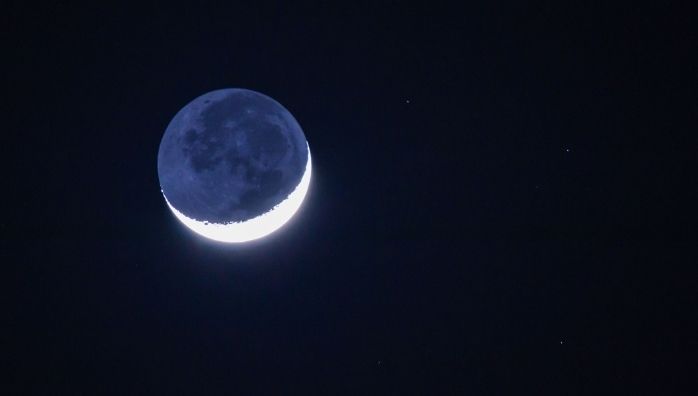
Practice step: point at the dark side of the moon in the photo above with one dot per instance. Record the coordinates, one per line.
(231, 155)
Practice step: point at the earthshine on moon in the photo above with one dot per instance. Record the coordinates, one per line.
(234, 165)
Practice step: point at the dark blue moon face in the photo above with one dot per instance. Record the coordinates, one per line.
(231, 155)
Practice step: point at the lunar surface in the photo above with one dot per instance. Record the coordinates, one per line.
(234, 165)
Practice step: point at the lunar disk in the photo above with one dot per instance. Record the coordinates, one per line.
(234, 165)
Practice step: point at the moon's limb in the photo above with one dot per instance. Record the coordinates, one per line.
(257, 227)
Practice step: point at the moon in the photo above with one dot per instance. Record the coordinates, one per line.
(234, 165)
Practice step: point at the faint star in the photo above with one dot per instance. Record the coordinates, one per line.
(407, 101)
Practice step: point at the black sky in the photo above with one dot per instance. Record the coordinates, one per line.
(499, 202)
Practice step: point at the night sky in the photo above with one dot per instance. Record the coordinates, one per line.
(499, 204)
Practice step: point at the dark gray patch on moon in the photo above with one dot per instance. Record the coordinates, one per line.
(231, 155)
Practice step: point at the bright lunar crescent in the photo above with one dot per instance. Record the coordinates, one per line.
(234, 165)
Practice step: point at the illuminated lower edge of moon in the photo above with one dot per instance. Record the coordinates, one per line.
(254, 228)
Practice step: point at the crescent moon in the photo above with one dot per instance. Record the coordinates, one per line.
(257, 227)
